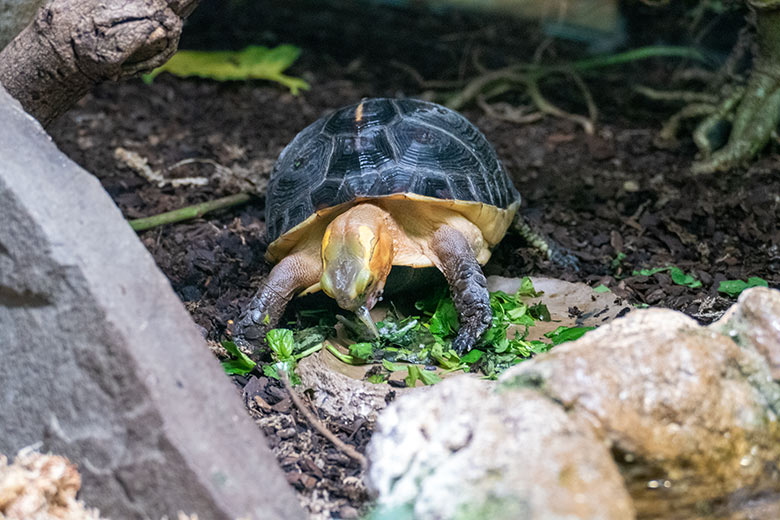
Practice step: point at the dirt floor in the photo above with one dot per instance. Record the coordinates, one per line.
(615, 199)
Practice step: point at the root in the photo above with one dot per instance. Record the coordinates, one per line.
(702, 136)
(527, 78)
(756, 118)
(548, 108)
(667, 136)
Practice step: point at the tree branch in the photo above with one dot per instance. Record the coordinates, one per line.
(72, 45)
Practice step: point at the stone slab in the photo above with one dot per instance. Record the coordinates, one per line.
(101, 362)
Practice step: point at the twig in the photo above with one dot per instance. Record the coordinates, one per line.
(317, 424)
(190, 212)
(141, 166)
(196, 160)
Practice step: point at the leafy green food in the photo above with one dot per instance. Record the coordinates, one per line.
(392, 367)
(678, 275)
(253, 62)
(415, 373)
(601, 288)
(650, 272)
(735, 287)
(680, 278)
(617, 262)
(377, 378)
(361, 350)
(344, 358)
(426, 339)
(563, 334)
(288, 347)
(281, 342)
(240, 364)
(472, 356)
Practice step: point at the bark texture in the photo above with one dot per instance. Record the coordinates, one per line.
(72, 45)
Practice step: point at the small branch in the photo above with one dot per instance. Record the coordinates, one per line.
(317, 424)
(72, 45)
(140, 165)
(190, 212)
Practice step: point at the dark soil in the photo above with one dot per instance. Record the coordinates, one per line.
(614, 199)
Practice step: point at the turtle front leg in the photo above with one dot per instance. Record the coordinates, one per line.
(291, 275)
(467, 284)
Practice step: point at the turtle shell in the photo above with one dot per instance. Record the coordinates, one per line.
(384, 148)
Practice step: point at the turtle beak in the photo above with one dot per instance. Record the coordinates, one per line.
(364, 316)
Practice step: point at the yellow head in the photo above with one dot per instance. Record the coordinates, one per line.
(357, 254)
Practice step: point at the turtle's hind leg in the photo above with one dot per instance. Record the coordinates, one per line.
(467, 284)
(291, 275)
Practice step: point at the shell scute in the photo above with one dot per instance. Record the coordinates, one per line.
(383, 147)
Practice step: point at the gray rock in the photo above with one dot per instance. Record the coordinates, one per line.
(692, 415)
(688, 414)
(755, 322)
(100, 361)
(467, 449)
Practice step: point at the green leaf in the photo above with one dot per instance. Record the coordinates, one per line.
(429, 377)
(601, 288)
(392, 367)
(472, 357)
(415, 373)
(563, 334)
(735, 287)
(527, 288)
(618, 260)
(538, 347)
(236, 367)
(363, 351)
(344, 358)
(516, 314)
(677, 274)
(270, 371)
(281, 342)
(444, 321)
(540, 312)
(288, 367)
(680, 278)
(241, 365)
(649, 272)
(376, 378)
(448, 360)
(253, 62)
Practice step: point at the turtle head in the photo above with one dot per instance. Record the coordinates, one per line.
(357, 254)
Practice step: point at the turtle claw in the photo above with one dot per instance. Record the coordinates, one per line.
(246, 332)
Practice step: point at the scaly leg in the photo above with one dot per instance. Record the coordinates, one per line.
(292, 274)
(467, 285)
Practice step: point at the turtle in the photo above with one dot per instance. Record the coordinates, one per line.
(377, 185)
